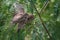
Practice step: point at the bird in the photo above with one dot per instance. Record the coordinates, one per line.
(20, 17)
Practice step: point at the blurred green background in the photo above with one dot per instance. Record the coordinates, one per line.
(34, 30)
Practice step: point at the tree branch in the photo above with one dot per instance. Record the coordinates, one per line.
(44, 6)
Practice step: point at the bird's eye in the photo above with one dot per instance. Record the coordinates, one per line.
(28, 18)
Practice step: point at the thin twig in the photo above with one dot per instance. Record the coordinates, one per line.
(44, 6)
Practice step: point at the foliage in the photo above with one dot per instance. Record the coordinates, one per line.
(34, 30)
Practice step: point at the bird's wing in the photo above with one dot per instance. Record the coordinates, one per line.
(17, 17)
